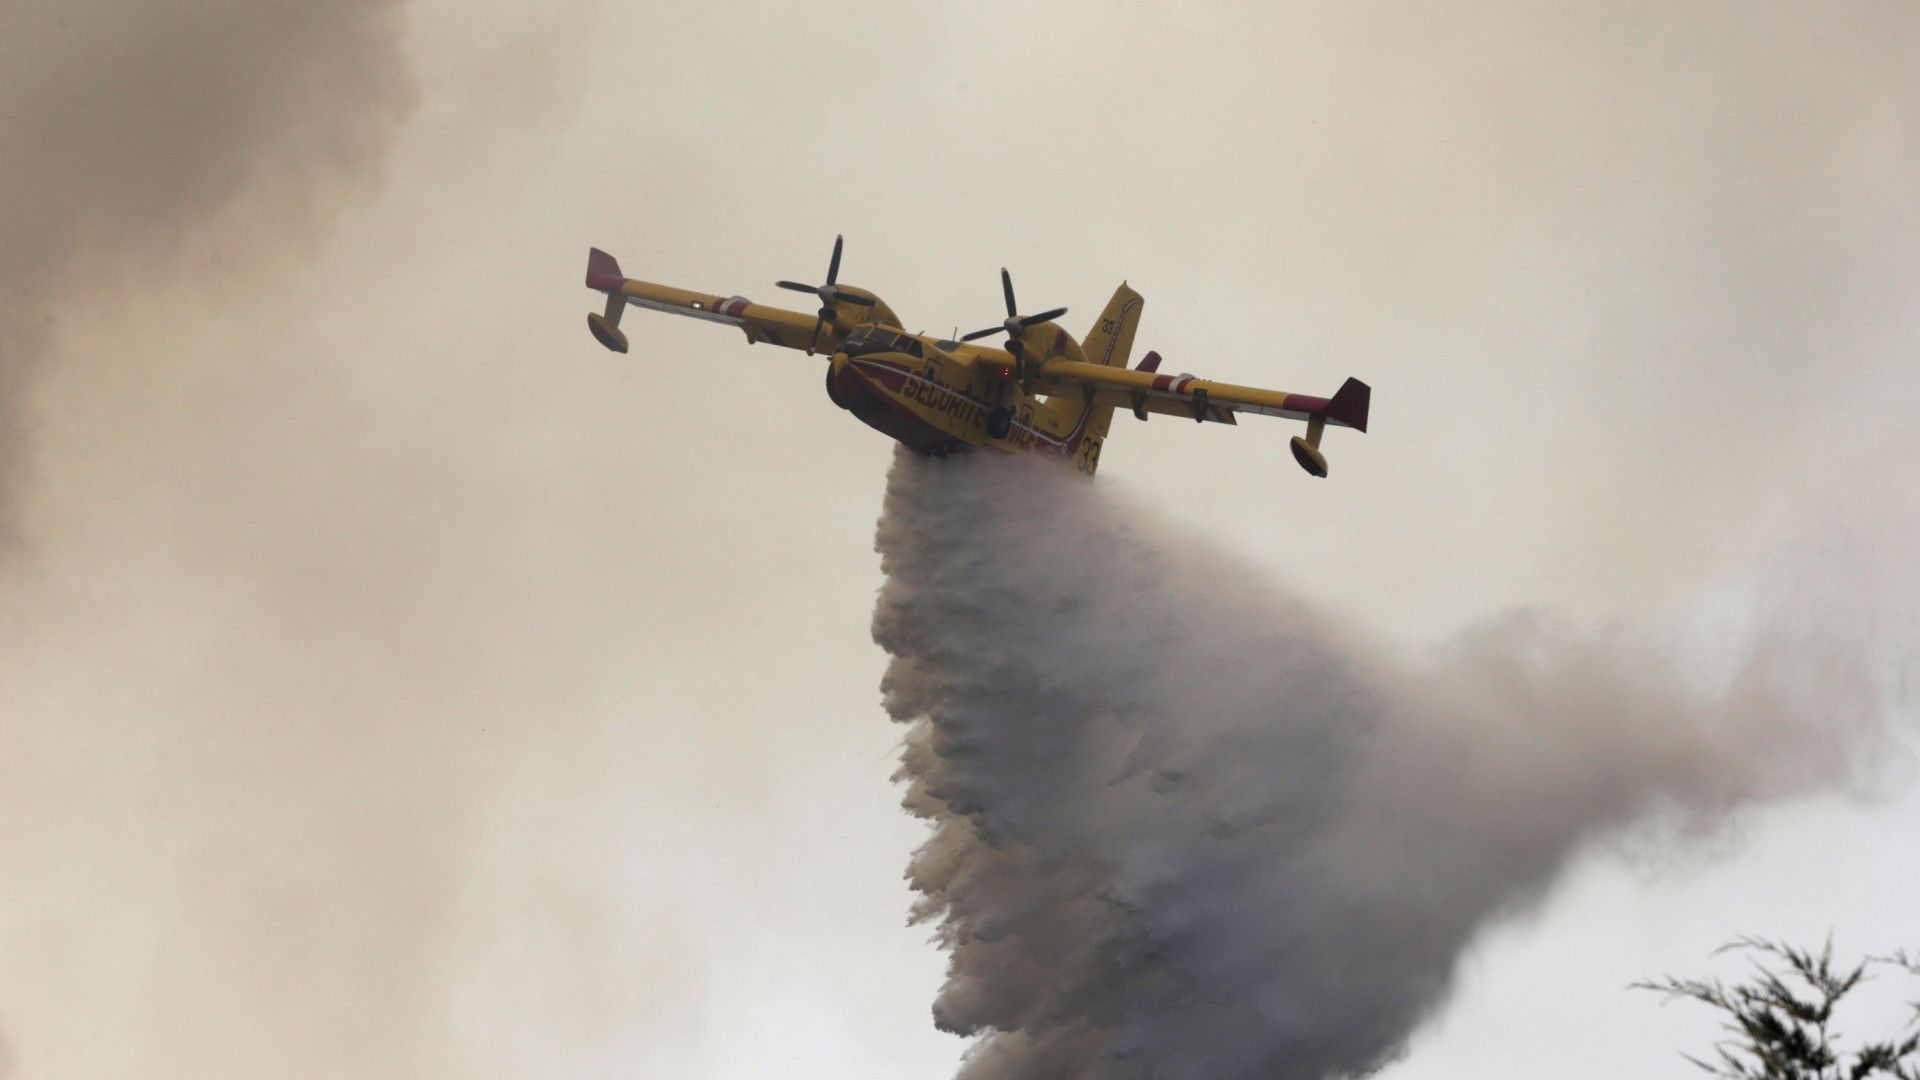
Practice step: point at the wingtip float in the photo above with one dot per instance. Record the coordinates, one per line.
(1043, 392)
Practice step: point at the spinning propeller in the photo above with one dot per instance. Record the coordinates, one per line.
(830, 295)
(1015, 322)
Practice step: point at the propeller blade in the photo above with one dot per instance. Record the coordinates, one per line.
(978, 334)
(833, 268)
(815, 343)
(859, 301)
(1045, 316)
(796, 286)
(1006, 285)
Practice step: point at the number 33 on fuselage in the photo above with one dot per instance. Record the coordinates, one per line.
(1043, 393)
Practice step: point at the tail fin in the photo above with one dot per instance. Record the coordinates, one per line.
(1109, 343)
(1111, 339)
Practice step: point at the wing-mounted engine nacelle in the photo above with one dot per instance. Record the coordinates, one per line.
(1031, 348)
(842, 307)
(1031, 339)
(855, 306)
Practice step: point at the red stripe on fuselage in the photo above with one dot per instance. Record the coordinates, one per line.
(869, 400)
(889, 378)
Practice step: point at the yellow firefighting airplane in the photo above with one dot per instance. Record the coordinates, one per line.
(1043, 393)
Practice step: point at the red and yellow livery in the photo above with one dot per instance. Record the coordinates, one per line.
(1043, 393)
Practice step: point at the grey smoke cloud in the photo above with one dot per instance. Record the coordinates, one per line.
(132, 129)
(1186, 827)
(327, 568)
(169, 806)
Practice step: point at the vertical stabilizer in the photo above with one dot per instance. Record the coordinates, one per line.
(1110, 341)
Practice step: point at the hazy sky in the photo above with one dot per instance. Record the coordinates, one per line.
(393, 682)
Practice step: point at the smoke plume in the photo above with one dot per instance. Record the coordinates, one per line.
(129, 128)
(254, 730)
(1185, 827)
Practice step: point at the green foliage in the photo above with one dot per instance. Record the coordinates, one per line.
(1779, 1021)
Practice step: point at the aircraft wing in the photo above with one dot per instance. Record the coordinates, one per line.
(777, 326)
(1201, 399)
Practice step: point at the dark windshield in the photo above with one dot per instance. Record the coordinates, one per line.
(875, 339)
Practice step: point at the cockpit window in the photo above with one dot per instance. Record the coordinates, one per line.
(873, 339)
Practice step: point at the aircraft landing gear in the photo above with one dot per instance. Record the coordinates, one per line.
(1000, 423)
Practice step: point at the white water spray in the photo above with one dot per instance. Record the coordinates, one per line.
(1185, 828)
